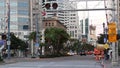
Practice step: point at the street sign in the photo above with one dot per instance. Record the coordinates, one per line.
(2, 42)
(112, 33)
(37, 44)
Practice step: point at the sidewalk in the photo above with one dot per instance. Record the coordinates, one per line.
(21, 59)
(108, 64)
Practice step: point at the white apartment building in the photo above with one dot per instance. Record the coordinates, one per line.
(68, 18)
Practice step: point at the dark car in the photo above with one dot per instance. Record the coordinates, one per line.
(82, 52)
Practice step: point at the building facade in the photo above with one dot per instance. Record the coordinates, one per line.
(85, 28)
(93, 37)
(25, 17)
(19, 17)
(53, 22)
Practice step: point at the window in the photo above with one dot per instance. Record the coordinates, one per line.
(51, 0)
(13, 19)
(49, 24)
(45, 24)
(1, 12)
(13, 11)
(25, 27)
(23, 20)
(23, 12)
(13, 4)
(52, 24)
(75, 35)
(23, 4)
(13, 27)
(2, 3)
(75, 31)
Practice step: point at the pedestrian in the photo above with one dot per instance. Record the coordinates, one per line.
(106, 54)
(110, 53)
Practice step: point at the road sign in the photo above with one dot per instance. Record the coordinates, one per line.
(112, 33)
(1, 42)
(37, 44)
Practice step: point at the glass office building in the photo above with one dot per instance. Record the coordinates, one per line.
(19, 16)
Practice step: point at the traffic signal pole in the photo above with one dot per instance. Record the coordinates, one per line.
(114, 44)
(8, 34)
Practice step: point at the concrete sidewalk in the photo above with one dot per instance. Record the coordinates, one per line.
(22, 59)
(108, 64)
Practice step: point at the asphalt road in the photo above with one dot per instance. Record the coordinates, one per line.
(61, 62)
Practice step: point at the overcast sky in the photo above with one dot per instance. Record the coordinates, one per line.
(96, 17)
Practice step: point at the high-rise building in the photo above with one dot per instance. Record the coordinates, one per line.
(85, 29)
(25, 17)
(68, 18)
(19, 17)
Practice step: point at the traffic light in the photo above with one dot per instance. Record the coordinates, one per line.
(54, 5)
(47, 6)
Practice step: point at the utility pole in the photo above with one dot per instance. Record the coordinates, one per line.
(8, 34)
(114, 44)
(37, 27)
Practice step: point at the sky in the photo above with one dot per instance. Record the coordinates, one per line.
(97, 18)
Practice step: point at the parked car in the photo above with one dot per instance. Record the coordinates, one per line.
(82, 52)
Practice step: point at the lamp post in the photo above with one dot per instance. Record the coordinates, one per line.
(8, 34)
(37, 28)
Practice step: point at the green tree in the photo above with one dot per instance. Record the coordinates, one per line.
(32, 36)
(17, 43)
(56, 37)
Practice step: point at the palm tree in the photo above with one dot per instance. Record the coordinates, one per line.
(32, 36)
(56, 37)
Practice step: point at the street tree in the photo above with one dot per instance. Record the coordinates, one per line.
(17, 43)
(55, 37)
(32, 36)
